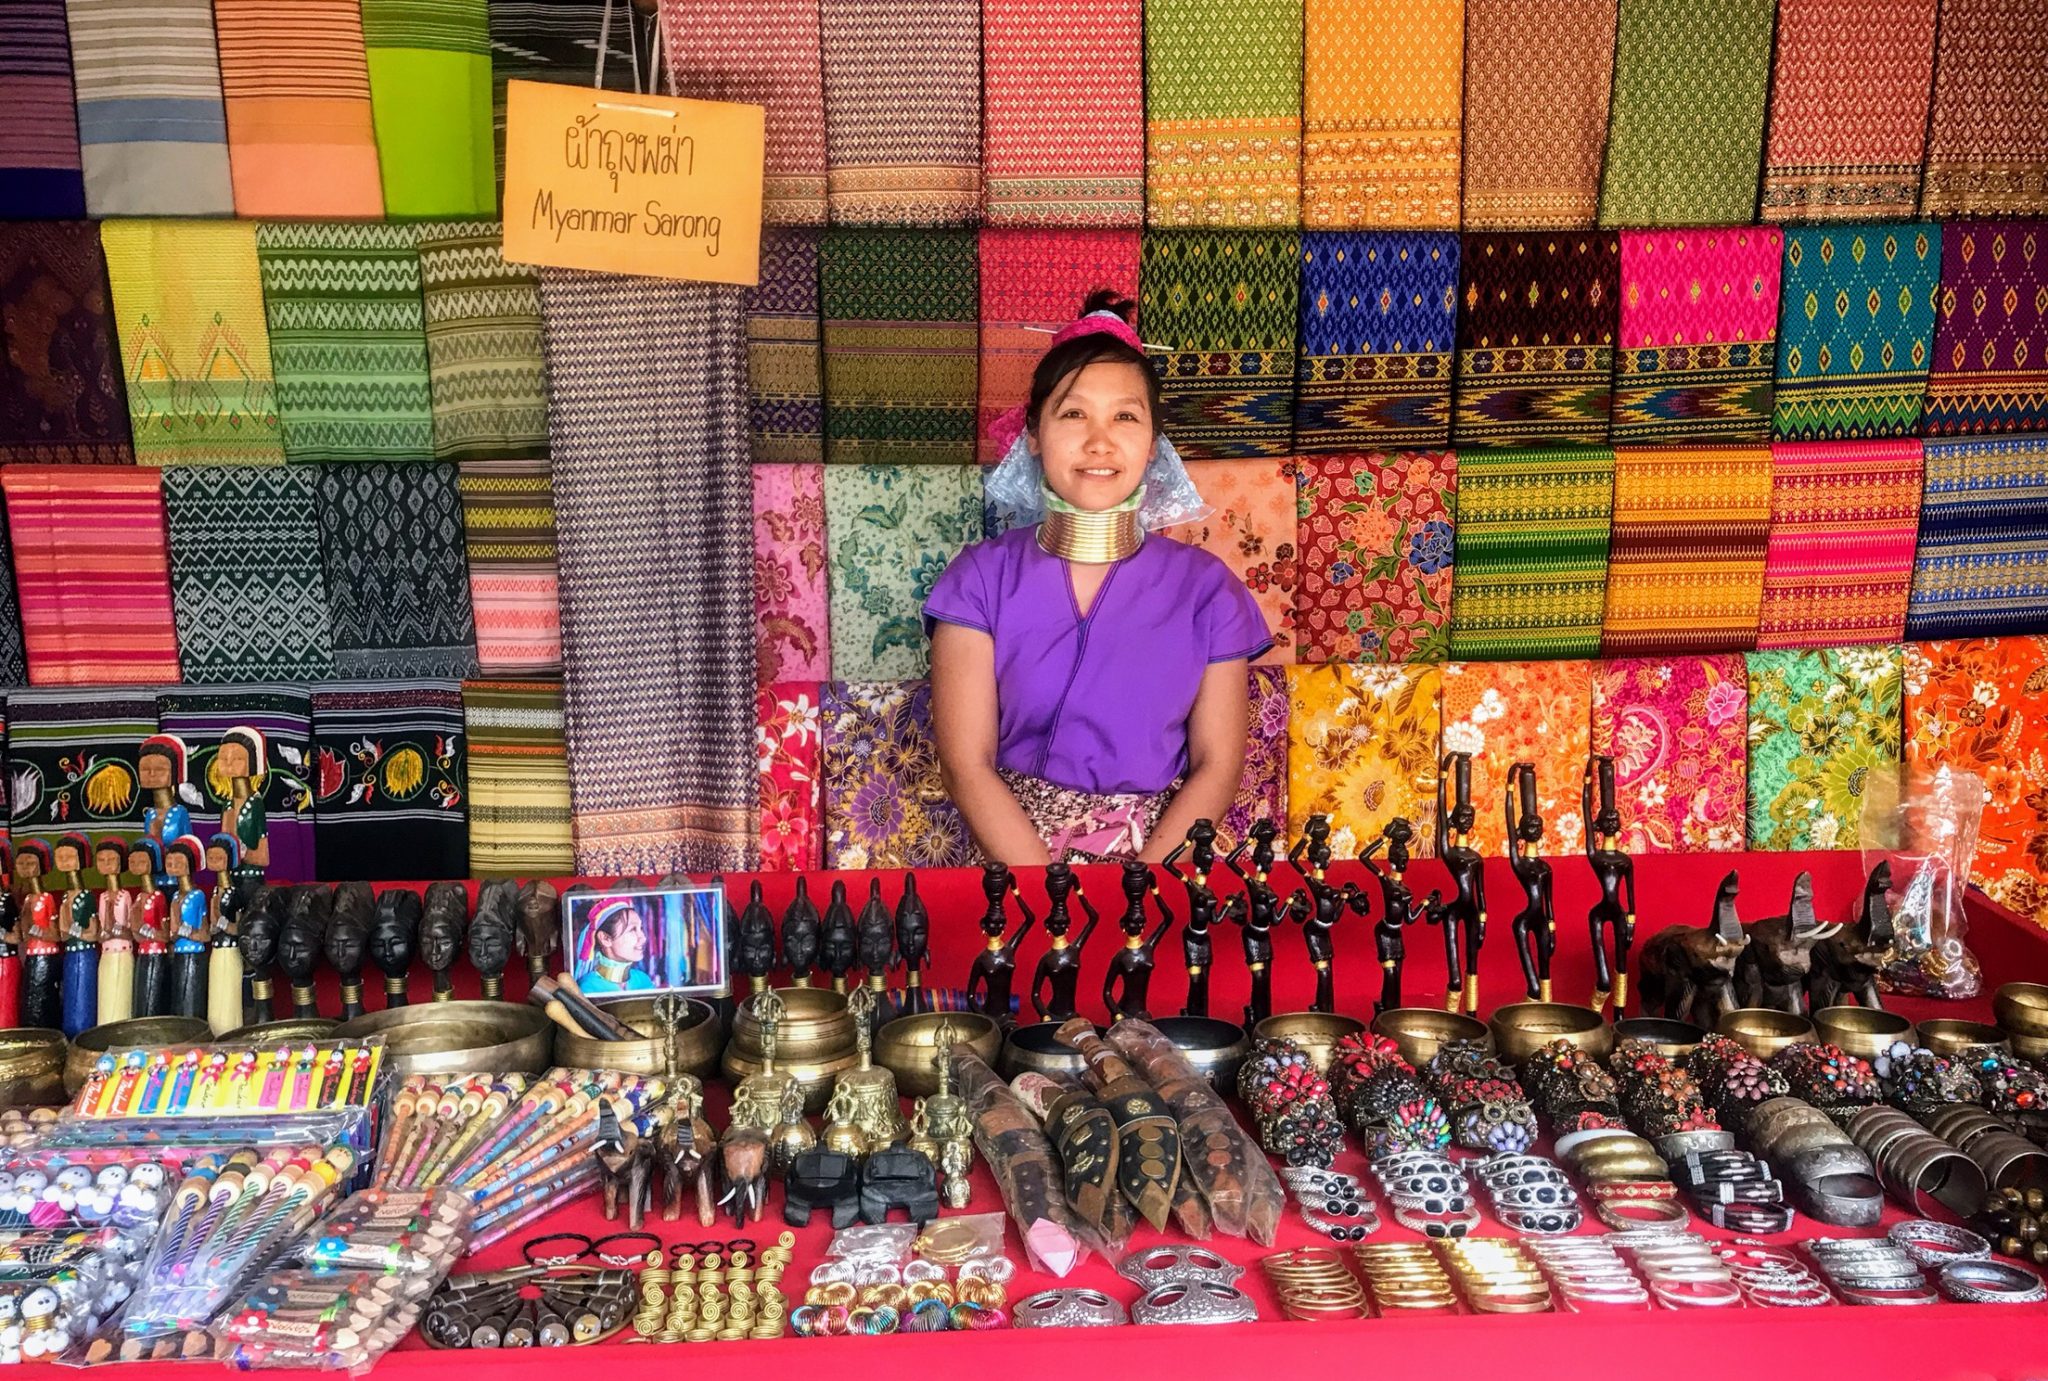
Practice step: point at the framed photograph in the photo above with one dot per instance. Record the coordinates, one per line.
(645, 943)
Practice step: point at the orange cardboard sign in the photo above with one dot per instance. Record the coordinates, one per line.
(622, 183)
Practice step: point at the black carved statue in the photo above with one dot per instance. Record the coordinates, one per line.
(1615, 913)
(1198, 950)
(1688, 971)
(348, 941)
(1463, 917)
(875, 941)
(1127, 986)
(492, 933)
(1845, 964)
(301, 942)
(444, 924)
(1322, 907)
(801, 928)
(995, 968)
(1398, 907)
(754, 940)
(1054, 985)
(837, 945)
(394, 935)
(1534, 928)
(913, 944)
(1262, 914)
(1775, 964)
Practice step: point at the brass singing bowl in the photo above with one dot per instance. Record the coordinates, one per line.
(697, 1040)
(31, 1066)
(1952, 1035)
(2021, 1010)
(1862, 1031)
(1216, 1048)
(1764, 1031)
(141, 1033)
(1674, 1040)
(483, 1037)
(813, 1040)
(1520, 1029)
(1317, 1033)
(292, 1029)
(1034, 1048)
(907, 1046)
(1419, 1032)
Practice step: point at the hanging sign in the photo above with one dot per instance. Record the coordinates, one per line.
(623, 183)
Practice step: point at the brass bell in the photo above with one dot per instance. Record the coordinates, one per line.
(792, 1135)
(921, 1139)
(843, 1131)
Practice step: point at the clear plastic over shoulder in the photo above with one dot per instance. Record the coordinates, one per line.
(1923, 823)
(1013, 490)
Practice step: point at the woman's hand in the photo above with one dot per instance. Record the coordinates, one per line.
(964, 726)
(1218, 727)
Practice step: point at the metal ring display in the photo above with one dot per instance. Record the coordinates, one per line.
(1991, 1282)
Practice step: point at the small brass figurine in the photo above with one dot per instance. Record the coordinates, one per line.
(995, 968)
(1263, 912)
(843, 1132)
(1774, 965)
(757, 1102)
(1534, 928)
(1846, 964)
(1689, 970)
(1616, 872)
(1322, 907)
(792, 1134)
(1054, 985)
(836, 940)
(1127, 986)
(754, 941)
(800, 928)
(1398, 907)
(913, 945)
(871, 1091)
(1463, 917)
(1198, 951)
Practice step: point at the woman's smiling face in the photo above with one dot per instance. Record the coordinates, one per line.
(1094, 435)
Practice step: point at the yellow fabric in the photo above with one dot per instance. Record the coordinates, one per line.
(1362, 749)
(1383, 95)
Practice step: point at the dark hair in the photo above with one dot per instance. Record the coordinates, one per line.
(1069, 358)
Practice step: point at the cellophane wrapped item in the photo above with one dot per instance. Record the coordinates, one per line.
(1026, 1169)
(1243, 1193)
(1923, 822)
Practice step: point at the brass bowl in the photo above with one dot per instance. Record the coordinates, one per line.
(1764, 1031)
(1864, 1031)
(1035, 1048)
(1674, 1040)
(1951, 1035)
(141, 1033)
(906, 1047)
(814, 1041)
(695, 1050)
(2033, 1048)
(1419, 1032)
(31, 1067)
(1216, 1048)
(2022, 1010)
(290, 1029)
(1317, 1033)
(1520, 1029)
(483, 1037)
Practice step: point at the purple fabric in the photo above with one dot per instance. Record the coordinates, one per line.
(1100, 703)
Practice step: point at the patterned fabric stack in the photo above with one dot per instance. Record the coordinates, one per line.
(1223, 112)
(1224, 306)
(1537, 78)
(1990, 370)
(1251, 529)
(430, 97)
(1855, 331)
(787, 741)
(283, 714)
(1686, 562)
(1981, 567)
(1820, 723)
(892, 531)
(1362, 748)
(899, 319)
(518, 779)
(301, 138)
(1376, 539)
(508, 533)
(1677, 729)
(39, 158)
(1987, 141)
(388, 780)
(246, 576)
(188, 305)
(1843, 523)
(763, 54)
(60, 395)
(71, 762)
(95, 584)
(397, 586)
(1532, 552)
(348, 339)
(1699, 329)
(791, 640)
(1381, 102)
(902, 111)
(885, 806)
(1686, 130)
(785, 376)
(1536, 338)
(1032, 282)
(482, 320)
(1262, 791)
(1063, 114)
(13, 658)
(1378, 325)
(1503, 713)
(594, 43)
(152, 129)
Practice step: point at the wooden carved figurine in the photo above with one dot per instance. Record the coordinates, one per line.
(1775, 964)
(226, 995)
(1058, 979)
(1688, 971)
(754, 941)
(491, 933)
(394, 935)
(539, 910)
(683, 1152)
(242, 758)
(300, 942)
(117, 940)
(1846, 964)
(624, 1163)
(1263, 913)
(800, 927)
(837, 944)
(1398, 907)
(78, 925)
(41, 980)
(1198, 950)
(913, 944)
(150, 911)
(160, 773)
(875, 943)
(261, 924)
(1463, 917)
(444, 926)
(994, 972)
(1127, 986)
(1322, 908)
(1534, 928)
(10, 952)
(348, 941)
(183, 858)
(1615, 871)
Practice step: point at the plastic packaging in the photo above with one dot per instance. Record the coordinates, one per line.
(1022, 1160)
(326, 1321)
(73, 1232)
(869, 1244)
(1923, 822)
(399, 1231)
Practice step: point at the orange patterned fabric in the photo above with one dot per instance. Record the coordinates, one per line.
(1382, 99)
(1503, 713)
(1686, 559)
(1252, 529)
(297, 86)
(1362, 749)
(1537, 78)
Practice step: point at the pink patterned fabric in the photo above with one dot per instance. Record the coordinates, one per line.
(786, 738)
(1699, 330)
(1063, 113)
(1677, 729)
(790, 599)
(1845, 518)
(765, 53)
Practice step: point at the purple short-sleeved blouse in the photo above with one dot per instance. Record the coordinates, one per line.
(1098, 703)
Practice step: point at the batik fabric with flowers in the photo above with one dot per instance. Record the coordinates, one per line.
(1503, 713)
(1820, 722)
(1677, 729)
(790, 596)
(890, 530)
(1980, 705)
(1376, 538)
(788, 748)
(1362, 749)
(1379, 322)
(885, 804)
(1262, 790)
(1699, 331)
(1252, 529)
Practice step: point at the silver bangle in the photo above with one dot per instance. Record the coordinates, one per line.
(1991, 1282)
(1938, 1244)
(1342, 1229)
(1074, 1308)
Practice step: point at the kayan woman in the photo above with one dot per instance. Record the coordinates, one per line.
(1088, 676)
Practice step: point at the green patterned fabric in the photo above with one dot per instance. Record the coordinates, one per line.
(246, 576)
(483, 345)
(1224, 306)
(1820, 723)
(1529, 580)
(1685, 129)
(1855, 330)
(902, 341)
(430, 95)
(347, 339)
(1223, 112)
(890, 531)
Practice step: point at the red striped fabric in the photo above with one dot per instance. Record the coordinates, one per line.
(1844, 518)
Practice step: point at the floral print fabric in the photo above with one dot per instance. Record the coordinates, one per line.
(786, 742)
(1262, 791)
(1376, 544)
(1677, 729)
(789, 574)
(885, 806)
(1362, 749)
(1503, 713)
(890, 530)
(1252, 528)
(1820, 722)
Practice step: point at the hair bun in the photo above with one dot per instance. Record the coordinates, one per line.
(1110, 300)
